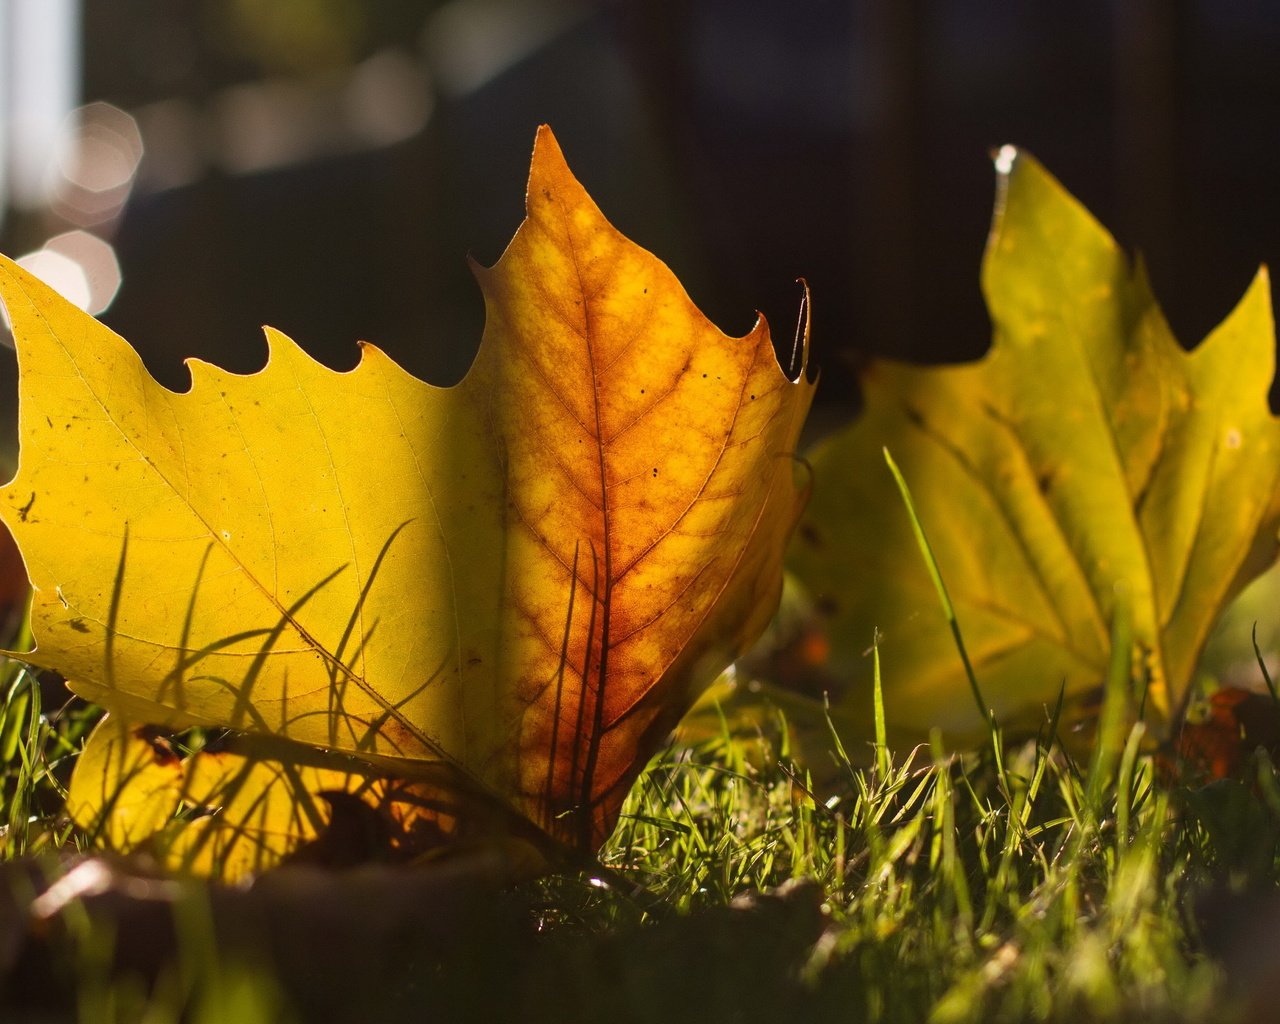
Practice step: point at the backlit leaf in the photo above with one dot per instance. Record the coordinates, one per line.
(126, 787)
(1087, 451)
(518, 583)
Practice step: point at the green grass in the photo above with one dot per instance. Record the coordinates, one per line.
(37, 748)
(1008, 884)
(958, 889)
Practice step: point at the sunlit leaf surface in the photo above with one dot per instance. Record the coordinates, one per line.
(1086, 452)
(520, 581)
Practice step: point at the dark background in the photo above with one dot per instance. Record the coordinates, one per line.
(746, 142)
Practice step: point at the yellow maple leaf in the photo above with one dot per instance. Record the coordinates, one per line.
(257, 806)
(521, 581)
(1086, 452)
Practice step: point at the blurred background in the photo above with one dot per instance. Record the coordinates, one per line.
(193, 169)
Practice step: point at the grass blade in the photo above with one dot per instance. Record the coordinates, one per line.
(936, 575)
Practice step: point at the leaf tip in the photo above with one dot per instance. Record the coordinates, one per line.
(548, 162)
(1256, 301)
(552, 183)
(545, 137)
(278, 343)
(1004, 158)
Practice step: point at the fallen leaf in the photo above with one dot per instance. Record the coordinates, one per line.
(514, 586)
(234, 812)
(127, 785)
(1087, 451)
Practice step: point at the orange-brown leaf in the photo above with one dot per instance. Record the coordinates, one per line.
(523, 580)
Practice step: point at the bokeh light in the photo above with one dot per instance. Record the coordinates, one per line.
(98, 164)
(97, 259)
(80, 266)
